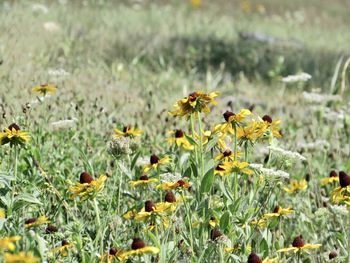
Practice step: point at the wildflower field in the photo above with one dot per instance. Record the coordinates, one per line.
(175, 131)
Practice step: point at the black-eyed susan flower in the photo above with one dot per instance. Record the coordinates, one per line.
(215, 234)
(332, 254)
(113, 254)
(240, 167)
(333, 177)
(87, 186)
(296, 185)
(269, 127)
(8, 243)
(143, 180)
(127, 131)
(261, 223)
(26, 257)
(64, 248)
(44, 89)
(299, 245)
(213, 222)
(180, 184)
(232, 120)
(14, 136)
(249, 133)
(179, 138)
(138, 247)
(223, 169)
(226, 156)
(341, 194)
(254, 258)
(32, 222)
(155, 163)
(279, 211)
(151, 209)
(194, 103)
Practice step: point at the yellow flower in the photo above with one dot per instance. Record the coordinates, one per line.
(14, 136)
(151, 209)
(269, 127)
(270, 260)
(87, 187)
(138, 247)
(299, 245)
(231, 120)
(261, 223)
(226, 156)
(63, 249)
(329, 180)
(213, 222)
(112, 254)
(279, 211)
(178, 138)
(8, 242)
(223, 169)
(22, 257)
(143, 180)
(130, 215)
(342, 193)
(296, 186)
(31, 222)
(165, 223)
(196, 3)
(174, 185)
(194, 103)
(248, 133)
(155, 163)
(2, 213)
(127, 132)
(45, 88)
(241, 167)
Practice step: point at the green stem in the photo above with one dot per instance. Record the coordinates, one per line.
(189, 222)
(349, 235)
(235, 178)
(97, 212)
(201, 144)
(193, 136)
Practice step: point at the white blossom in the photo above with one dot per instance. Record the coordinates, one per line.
(269, 171)
(295, 78)
(287, 154)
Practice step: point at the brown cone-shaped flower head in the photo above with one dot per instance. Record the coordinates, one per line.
(181, 182)
(227, 153)
(14, 126)
(51, 229)
(154, 159)
(149, 206)
(193, 96)
(215, 233)
(332, 254)
(169, 197)
(137, 243)
(144, 177)
(333, 174)
(254, 258)
(179, 134)
(64, 242)
(219, 168)
(30, 220)
(344, 179)
(298, 241)
(228, 114)
(126, 128)
(275, 210)
(267, 118)
(85, 178)
(113, 251)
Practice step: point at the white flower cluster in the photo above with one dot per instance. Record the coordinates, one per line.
(269, 172)
(287, 154)
(339, 209)
(37, 8)
(317, 145)
(170, 177)
(295, 78)
(118, 147)
(64, 124)
(58, 72)
(313, 97)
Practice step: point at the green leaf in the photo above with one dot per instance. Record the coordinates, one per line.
(224, 220)
(264, 248)
(134, 160)
(28, 199)
(207, 181)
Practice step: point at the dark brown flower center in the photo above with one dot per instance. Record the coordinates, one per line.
(30, 220)
(219, 168)
(64, 242)
(215, 233)
(51, 229)
(137, 243)
(254, 258)
(14, 126)
(149, 206)
(267, 118)
(169, 197)
(154, 159)
(333, 174)
(228, 114)
(193, 96)
(227, 153)
(277, 208)
(179, 134)
(144, 177)
(126, 128)
(181, 183)
(344, 179)
(113, 251)
(332, 254)
(85, 178)
(298, 242)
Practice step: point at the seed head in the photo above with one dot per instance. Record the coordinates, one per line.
(276, 209)
(85, 178)
(126, 128)
(169, 197)
(51, 229)
(154, 159)
(113, 251)
(344, 179)
(333, 174)
(215, 233)
(181, 182)
(144, 177)
(14, 126)
(149, 206)
(332, 254)
(30, 220)
(254, 258)
(227, 153)
(298, 242)
(179, 134)
(228, 114)
(64, 242)
(267, 118)
(137, 243)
